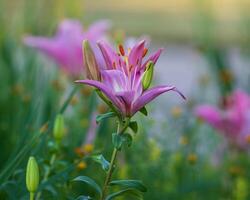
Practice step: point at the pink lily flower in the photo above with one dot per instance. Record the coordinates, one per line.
(65, 47)
(122, 79)
(233, 121)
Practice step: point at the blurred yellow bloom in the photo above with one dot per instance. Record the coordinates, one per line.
(88, 148)
(236, 170)
(84, 150)
(82, 165)
(183, 140)
(26, 98)
(226, 76)
(204, 79)
(74, 100)
(79, 151)
(192, 158)
(17, 89)
(86, 91)
(102, 108)
(248, 139)
(44, 127)
(57, 85)
(155, 150)
(176, 111)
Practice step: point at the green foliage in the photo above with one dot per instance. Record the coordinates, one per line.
(101, 160)
(133, 184)
(90, 182)
(144, 111)
(120, 139)
(131, 193)
(134, 126)
(101, 117)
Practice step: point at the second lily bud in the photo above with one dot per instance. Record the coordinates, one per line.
(59, 129)
(92, 69)
(148, 75)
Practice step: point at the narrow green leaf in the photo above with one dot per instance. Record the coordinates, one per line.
(90, 182)
(133, 184)
(82, 197)
(105, 116)
(101, 160)
(130, 192)
(134, 126)
(144, 111)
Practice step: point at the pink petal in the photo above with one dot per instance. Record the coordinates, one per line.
(105, 89)
(98, 29)
(154, 57)
(135, 56)
(209, 114)
(108, 54)
(150, 95)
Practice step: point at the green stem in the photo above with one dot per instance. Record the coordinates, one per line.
(47, 173)
(66, 103)
(112, 161)
(32, 195)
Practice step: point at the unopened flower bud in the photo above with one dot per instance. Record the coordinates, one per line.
(148, 75)
(91, 66)
(59, 130)
(32, 175)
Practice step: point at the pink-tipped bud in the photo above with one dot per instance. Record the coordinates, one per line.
(92, 69)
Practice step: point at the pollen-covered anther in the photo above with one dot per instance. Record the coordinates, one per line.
(121, 49)
(145, 51)
(114, 65)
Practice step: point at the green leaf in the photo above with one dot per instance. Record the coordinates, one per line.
(128, 192)
(101, 160)
(105, 116)
(119, 139)
(82, 197)
(132, 184)
(144, 111)
(134, 126)
(127, 138)
(90, 182)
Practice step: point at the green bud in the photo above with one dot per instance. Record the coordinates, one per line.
(91, 67)
(58, 130)
(148, 75)
(32, 175)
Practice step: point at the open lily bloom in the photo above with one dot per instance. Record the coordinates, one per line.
(233, 121)
(122, 79)
(65, 47)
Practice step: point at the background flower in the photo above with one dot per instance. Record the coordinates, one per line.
(66, 46)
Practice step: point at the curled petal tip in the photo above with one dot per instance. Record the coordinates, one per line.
(182, 95)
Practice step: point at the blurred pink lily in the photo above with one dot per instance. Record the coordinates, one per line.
(122, 79)
(65, 47)
(233, 121)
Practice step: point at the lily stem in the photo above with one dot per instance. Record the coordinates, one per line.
(112, 161)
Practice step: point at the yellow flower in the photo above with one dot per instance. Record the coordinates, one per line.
(81, 165)
(74, 100)
(192, 158)
(183, 140)
(176, 111)
(88, 148)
